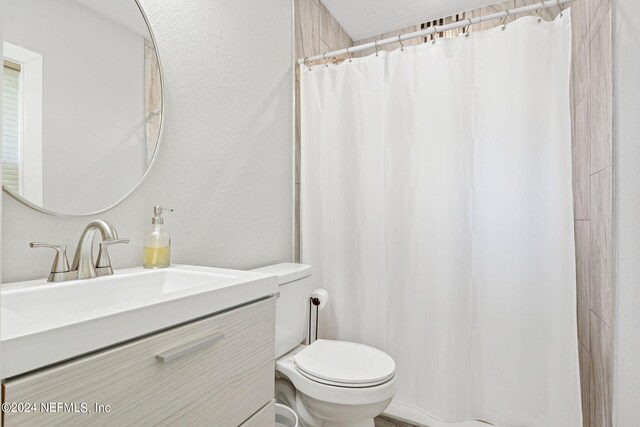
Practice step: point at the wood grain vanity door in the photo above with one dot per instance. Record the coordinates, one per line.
(213, 372)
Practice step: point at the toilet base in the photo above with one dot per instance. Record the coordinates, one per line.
(315, 413)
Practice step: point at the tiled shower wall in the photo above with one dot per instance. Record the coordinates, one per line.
(592, 146)
(593, 203)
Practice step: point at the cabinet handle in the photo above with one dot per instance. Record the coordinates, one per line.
(183, 350)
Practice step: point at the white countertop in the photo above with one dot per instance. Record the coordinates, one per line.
(45, 323)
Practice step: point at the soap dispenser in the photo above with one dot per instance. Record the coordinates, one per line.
(157, 242)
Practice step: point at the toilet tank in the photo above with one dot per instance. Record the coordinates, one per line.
(292, 307)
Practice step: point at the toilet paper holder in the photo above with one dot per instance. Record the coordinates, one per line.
(313, 301)
(319, 299)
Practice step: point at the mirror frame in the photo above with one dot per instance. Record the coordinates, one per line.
(33, 206)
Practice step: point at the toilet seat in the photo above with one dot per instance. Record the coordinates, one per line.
(344, 364)
(333, 393)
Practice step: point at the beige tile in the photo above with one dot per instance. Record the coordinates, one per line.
(344, 40)
(601, 136)
(520, 3)
(307, 22)
(585, 382)
(581, 161)
(601, 109)
(331, 32)
(572, 105)
(598, 11)
(153, 84)
(551, 13)
(580, 24)
(332, 36)
(601, 250)
(153, 134)
(600, 60)
(298, 134)
(153, 99)
(328, 26)
(296, 231)
(583, 240)
(600, 382)
(296, 248)
(580, 72)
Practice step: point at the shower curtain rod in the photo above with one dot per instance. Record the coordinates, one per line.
(437, 29)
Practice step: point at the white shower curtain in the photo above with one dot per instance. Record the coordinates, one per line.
(436, 208)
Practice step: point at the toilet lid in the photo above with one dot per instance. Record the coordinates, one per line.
(345, 364)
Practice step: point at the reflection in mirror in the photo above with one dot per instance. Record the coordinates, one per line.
(82, 102)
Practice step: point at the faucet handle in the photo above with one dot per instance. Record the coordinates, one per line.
(103, 255)
(60, 262)
(109, 242)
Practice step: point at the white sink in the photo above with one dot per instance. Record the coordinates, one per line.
(44, 323)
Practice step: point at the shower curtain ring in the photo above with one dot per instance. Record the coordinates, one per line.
(466, 29)
(375, 43)
(561, 7)
(400, 41)
(326, 63)
(307, 62)
(539, 12)
(435, 34)
(503, 21)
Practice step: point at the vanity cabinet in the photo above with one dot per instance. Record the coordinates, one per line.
(217, 371)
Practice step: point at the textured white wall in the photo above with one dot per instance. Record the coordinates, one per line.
(626, 56)
(225, 160)
(89, 130)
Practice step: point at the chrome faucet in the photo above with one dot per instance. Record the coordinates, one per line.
(83, 266)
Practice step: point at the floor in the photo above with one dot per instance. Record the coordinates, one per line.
(384, 421)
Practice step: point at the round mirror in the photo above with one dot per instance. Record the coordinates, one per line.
(82, 103)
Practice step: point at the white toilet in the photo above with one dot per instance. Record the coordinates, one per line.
(327, 383)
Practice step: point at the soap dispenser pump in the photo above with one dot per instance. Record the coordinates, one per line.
(157, 242)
